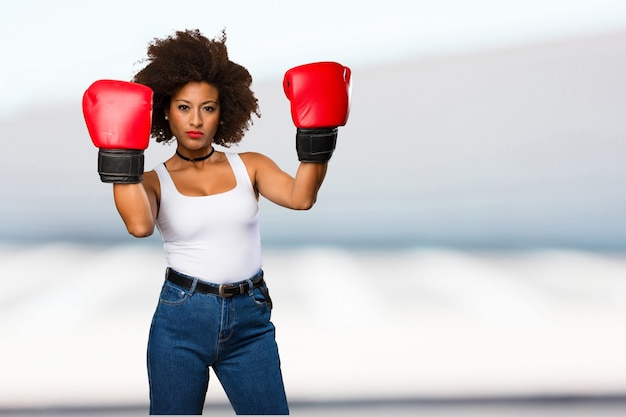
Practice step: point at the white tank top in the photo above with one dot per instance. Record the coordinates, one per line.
(215, 238)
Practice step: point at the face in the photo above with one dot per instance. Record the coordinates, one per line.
(194, 115)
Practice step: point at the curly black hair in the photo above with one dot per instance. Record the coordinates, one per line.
(189, 56)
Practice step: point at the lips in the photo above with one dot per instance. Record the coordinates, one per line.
(194, 134)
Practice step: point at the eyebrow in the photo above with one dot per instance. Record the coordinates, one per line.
(203, 103)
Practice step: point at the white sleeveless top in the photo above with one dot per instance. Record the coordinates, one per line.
(215, 238)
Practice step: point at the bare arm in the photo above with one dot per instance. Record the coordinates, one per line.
(307, 183)
(137, 205)
(299, 193)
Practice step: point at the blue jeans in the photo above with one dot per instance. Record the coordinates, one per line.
(191, 332)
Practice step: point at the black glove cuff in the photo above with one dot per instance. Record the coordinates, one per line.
(316, 145)
(120, 166)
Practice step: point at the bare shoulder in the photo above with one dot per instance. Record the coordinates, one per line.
(151, 182)
(255, 160)
(253, 157)
(150, 177)
(262, 169)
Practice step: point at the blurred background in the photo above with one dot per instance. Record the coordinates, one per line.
(467, 253)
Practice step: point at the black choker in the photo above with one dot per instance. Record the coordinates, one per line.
(202, 158)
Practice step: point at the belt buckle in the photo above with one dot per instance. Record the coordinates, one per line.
(222, 288)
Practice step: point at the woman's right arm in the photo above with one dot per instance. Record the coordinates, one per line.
(137, 205)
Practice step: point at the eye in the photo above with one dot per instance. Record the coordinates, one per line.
(183, 107)
(209, 109)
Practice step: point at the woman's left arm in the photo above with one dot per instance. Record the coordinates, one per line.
(299, 193)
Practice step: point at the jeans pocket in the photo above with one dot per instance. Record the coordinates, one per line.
(261, 296)
(173, 295)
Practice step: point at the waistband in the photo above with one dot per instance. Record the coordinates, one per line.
(223, 290)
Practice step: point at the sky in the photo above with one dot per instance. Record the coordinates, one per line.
(54, 50)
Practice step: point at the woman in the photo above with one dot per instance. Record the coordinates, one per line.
(214, 308)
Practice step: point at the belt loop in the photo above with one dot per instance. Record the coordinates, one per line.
(250, 287)
(194, 284)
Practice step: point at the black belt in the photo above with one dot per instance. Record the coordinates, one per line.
(223, 290)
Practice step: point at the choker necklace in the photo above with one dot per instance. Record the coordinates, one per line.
(202, 158)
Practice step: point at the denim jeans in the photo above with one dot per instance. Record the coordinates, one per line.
(191, 332)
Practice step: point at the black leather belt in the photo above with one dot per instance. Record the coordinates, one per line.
(223, 290)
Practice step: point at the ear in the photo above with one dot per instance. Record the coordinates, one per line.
(167, 114)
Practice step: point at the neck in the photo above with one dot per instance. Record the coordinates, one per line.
(200, 158)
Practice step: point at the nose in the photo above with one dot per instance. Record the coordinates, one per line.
(196, 118)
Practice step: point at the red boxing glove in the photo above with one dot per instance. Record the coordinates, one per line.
(320, 102)
(119, 118)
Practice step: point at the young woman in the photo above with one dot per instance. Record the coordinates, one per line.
(214, 307)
